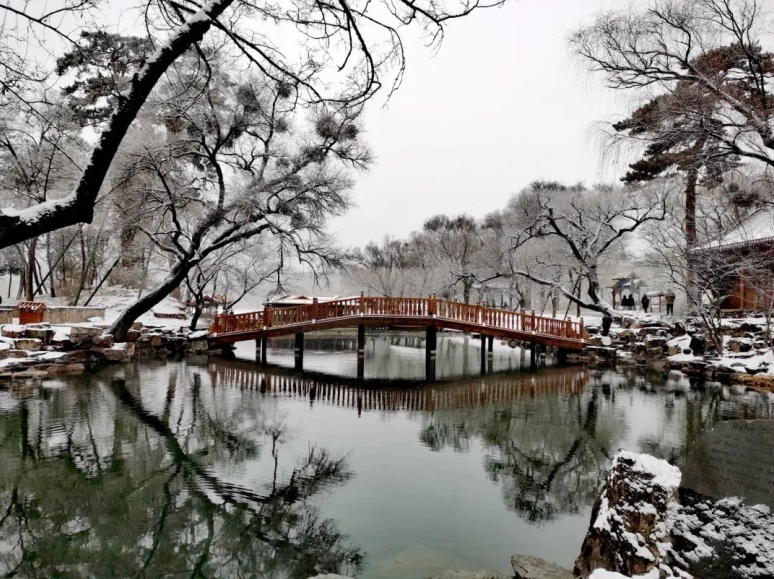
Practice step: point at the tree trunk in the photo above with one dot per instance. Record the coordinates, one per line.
(579, 293)
(128, 256)
(594, 290)
(29, 272)
(196, 315)
(83, 260)
(689, 226)
(145, 303)
(51, 266)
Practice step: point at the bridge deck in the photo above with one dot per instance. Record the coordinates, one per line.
(398, 313)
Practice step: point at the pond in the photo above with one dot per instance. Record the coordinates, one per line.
(221, 468)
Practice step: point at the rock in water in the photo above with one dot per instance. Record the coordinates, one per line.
(527, 567)
(463, 574)
(630, 520)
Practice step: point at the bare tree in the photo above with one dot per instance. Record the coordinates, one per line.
(232, 272)
(345, 52)
(705, 57)
(240, 162)
(39, 156)
(585, 226)
(393, 268)
(453, 243)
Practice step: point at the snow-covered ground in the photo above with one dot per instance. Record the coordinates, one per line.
(116, 299)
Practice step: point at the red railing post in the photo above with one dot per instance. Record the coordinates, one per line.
(314, 309)
(581, 332)
(532, 322)
(267, 317)
(362, 303)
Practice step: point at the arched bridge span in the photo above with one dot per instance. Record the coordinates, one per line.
(429, 313)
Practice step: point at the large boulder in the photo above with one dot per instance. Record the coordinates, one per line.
(45, 335)
(84, 334)
(29, 375)
(740, 345)
(117, 355)
(197, 346)
(12, 331)
(465, 574)
(27, 344)
(102, 341)
(527, 567)
(132, 335)
(630, 524)
(60, 368)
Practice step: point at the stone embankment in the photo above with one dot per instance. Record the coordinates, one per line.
(684, 346)
(36, 351)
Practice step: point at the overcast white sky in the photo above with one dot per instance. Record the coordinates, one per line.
(501, 104)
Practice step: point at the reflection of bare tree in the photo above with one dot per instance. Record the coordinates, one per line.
(96, 485)
(549, 454)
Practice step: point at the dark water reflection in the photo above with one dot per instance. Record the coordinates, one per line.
(214, 468)
(391, 356)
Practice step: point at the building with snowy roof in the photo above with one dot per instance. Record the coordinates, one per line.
(742, 262)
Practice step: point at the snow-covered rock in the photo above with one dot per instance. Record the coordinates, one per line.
(631, 520)
(12, 331)
(603, 574)
(528, 567)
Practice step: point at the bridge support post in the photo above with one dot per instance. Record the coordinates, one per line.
(490, 354)
(533, 355)
(431, 345)
(483, 354)
(561, 355)
(264, 349)
(361, 351)
(299, 351)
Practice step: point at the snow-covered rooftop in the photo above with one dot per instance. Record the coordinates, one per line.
(755, 228)
(300, 300)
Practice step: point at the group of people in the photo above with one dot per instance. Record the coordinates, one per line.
(627, 302)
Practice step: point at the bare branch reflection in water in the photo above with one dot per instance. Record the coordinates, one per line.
(202, 467)
(543, 440)
(94, 484)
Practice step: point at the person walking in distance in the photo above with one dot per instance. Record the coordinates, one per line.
(645, 301)
(669, 297)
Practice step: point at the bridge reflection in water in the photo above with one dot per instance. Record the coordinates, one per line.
(396, 396)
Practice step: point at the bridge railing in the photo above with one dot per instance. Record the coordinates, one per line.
(476, 314)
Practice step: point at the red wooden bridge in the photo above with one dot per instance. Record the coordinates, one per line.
(429, 313)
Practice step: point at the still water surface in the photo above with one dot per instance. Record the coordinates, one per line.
(219, 468)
